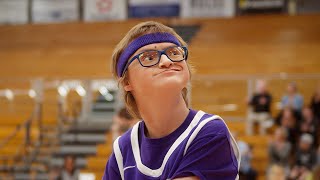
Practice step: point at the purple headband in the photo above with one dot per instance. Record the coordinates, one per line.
(140, 42)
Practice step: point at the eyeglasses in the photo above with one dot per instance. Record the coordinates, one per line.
(152, 57)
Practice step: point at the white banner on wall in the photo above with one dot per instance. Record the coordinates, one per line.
(13, 11)
(46, 11)
(101, 10)
(208, 8)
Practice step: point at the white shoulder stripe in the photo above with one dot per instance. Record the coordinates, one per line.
(119, 158)
(136, 150)
(233, 142)
(196, 131)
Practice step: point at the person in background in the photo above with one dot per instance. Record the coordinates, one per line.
(292, 99)
(276, 172)
(288, 121)
(279, 148)
(316, 173)
(305, 159)
(300, 173)
(259, 110)
(69, 171)
(318, 156)
(122, 122)
(305, 155)
(316, 169)
(315, 103)
(309, 124)
(246, 172)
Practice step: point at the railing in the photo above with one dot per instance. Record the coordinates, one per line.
(25, 151)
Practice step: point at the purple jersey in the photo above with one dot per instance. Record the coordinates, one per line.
(202, 146)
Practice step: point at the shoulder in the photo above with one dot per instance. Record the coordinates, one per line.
(209, 142)
(214, 125)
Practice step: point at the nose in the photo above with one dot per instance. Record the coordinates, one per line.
(165, 62)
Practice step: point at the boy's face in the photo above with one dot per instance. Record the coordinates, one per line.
(307, 114)
(291, 89)
(165, 76)
(304, 146)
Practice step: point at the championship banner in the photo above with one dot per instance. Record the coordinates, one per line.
(154, 8)
(13, 11)
(101, 10)
(208, 8)
(47, 11)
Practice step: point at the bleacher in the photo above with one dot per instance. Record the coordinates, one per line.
(222, 50)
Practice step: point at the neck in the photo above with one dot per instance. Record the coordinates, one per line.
(162, 114)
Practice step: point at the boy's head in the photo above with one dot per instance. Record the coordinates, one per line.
(292, 88)
(306, 141)
(261, 86)
(280, 134)
(141, 35)
(69, 163)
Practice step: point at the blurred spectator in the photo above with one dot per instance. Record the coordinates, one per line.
(300, 173)
(315, 103)
(318, 156)
(69, 171)
(316, 173)
(276, 172)
(279, 148)
(122, 122)
(246, 171)
(292, 99)
(309, 124)
(316, 169)
(259, 110)
(288, 121)
(305, 159)
(305, 156)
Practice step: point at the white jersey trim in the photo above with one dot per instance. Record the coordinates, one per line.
(233, 142)
(136, 150)
(196, 131)
(119, 158)
(158, 172)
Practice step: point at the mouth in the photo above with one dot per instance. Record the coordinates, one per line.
(168, 70)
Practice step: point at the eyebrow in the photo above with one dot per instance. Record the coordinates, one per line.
(143, 50)
(154, 49)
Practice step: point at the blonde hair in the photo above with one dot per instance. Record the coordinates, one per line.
(137, 31)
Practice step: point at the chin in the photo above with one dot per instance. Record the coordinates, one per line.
(172, 83)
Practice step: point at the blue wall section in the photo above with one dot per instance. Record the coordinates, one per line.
(167, 10)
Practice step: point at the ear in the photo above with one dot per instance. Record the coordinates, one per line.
(127, 86)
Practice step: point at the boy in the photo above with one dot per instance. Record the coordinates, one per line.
(172, 141)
